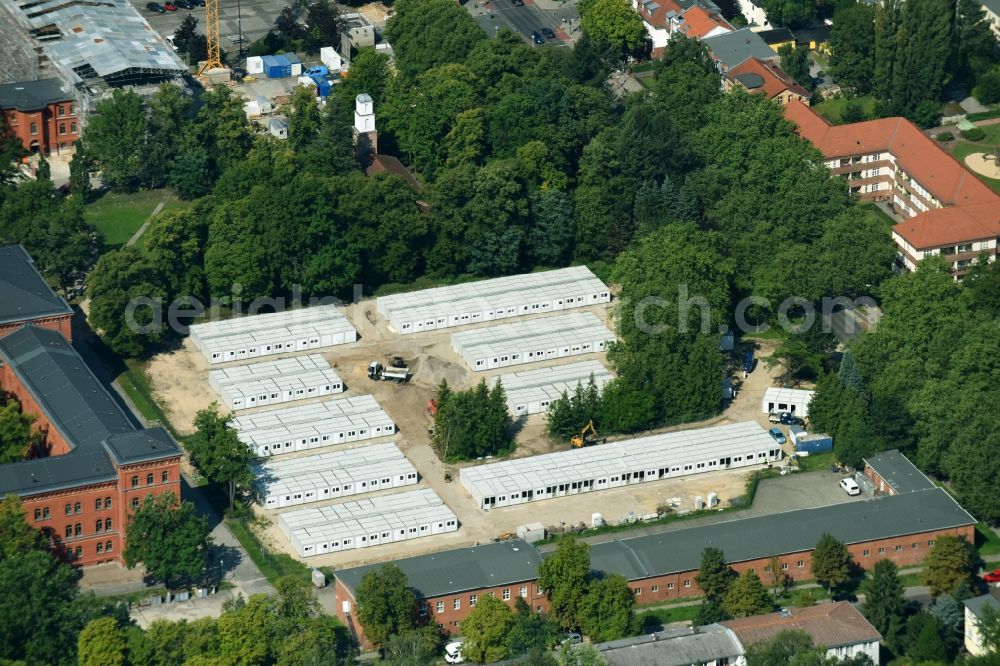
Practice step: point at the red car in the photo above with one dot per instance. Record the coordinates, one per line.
(992, 576)
(170, 7)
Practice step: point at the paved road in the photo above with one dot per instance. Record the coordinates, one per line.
(524, 20)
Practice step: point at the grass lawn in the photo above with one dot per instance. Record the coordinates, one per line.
(987, 541)
(832, 109)
(118, 216)
(963, 148)
(665, 616)
(135, 384)
(817, 461)
(878, 212)
(773, 333)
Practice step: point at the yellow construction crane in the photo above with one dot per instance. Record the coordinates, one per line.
(212, 61)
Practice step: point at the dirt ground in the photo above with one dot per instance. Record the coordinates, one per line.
(180, 381)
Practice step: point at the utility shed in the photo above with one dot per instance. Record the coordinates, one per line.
(313, 426)
(271, 383)
(795, 401)
(303, 329)
(531, 391)
(664, 456)
(367, 522)
(532, 340)
(324, 476)
(487, 300)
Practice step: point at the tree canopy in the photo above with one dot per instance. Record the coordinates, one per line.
(385, 603)
(169, 538)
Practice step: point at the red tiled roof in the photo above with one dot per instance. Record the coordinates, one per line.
(658, 17)
(776, 81)
(948, 226)
(830, 625)
(698, 22)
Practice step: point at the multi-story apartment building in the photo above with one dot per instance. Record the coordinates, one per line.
(93, 464)
(945, 209)
(766, 78)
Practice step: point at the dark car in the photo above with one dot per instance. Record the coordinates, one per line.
(547, 33)
(184, 4)
(517, 3)
(155, 7)
(197, 3)
(747, 362)
(787, 418)
(537, 38)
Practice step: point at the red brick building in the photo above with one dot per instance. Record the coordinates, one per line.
(97, 464)
(42, 114)
(891, 473)
(26, 298)
(661, 567)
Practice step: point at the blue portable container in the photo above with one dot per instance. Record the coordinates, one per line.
(811, 444)
(276, 67)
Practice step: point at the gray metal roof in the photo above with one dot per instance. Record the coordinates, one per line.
(898, 471)
(77, 405)
(24, 294)
(977, 604)
(733, 48)
(673, 647)
(781, 533)
(454, 571)
(32, 96)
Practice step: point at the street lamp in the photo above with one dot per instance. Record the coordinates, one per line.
(239, 28)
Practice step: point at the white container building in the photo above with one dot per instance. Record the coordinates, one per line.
(367, 522)
(791, 400)
(275, 382)
(289, 482)
(532, 391)
(242, 338)
(532, 340)
(663, 456)
(313, 426)
(488, 300)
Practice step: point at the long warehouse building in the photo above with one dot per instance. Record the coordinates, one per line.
(275, 382)
(273, 333)
(664, 456)
(532, 391)
(326, 476)
(487, 300)
(532, 341)
(367, 522)
(313, 426)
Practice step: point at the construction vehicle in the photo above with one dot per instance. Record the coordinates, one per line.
(587, 436)
(394, 373)
(504, 536)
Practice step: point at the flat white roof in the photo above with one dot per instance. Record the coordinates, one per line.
(541, 334)
(276, 426)
(672, 449)
(798, 396)
(480, 296)
(550, 382)
(286, 367)
(326, 314)
(326, 470)
(364, 516)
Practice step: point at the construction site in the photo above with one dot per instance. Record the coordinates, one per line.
(391, 379)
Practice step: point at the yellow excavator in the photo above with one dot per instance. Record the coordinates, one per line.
(587, 436)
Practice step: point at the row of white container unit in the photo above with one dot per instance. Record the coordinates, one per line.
(532, 340)
(277, 390)
(314, 426)
(488, 300)
(368, 522)
(331, 475)
(664, 456)
(532, 391)
(242, 374)
(273, 333)
(791, 400)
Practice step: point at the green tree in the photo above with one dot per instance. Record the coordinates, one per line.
(714, 575)
(11, 153)
(80, 168)
(884, 605)
(191, 173)
(831, 562)
(170, 116)
(924, 643)
(922, 49)
(15, 431)
(125, 295)
(791, 13)
(428, 33)
(415, 647)
(856, 254)
(887, 25)
(710, 612)
(780, 650)
(485, 629)
(852, 47)
(304, 118)
(16, 535)
(531, 631)
(614, 23)
(385, 603)
(170, 539)
(218, 454)
(795, 63)
(975, 47)
(606, 612)
(626, 408)
(988, 624)
(101, 643)
(747, 596)
(550, 239)
(685, 81)
(116, 138)
(472, 424)
(564, 576)
(949, 565)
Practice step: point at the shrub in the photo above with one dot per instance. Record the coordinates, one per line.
(944, 136)
(988, 87)
(974, 134)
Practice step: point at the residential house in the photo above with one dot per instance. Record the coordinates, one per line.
(759, 76)
(732, 49)
(41, 114)
(973, 612)
(777, 37)
(695, 19)
(946, 209)
(816, 38)
(839, 627)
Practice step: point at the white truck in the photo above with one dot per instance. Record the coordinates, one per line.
(385, 373)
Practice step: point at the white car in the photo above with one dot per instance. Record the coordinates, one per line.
(453, 653)
(850, 486)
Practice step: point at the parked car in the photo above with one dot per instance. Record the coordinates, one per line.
(453, 653)
(747, 362)
(184, 4)
(197, 3)
(548, 33)
(170, 6)
(156, 8)
(571, 638)
(992, 576)
(537, 38)
(517, 3)
(850, 486)
(787, 418)
(778, 436)
(774, 417)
